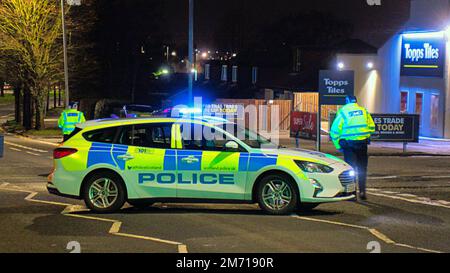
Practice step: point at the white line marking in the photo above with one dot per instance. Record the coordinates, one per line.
(417, 201)
(182, 249)
(115, 227)
(14, 149)
(407, 195)
(382, 177)
(30, 153)
(373, 231)
(25, 147)
(36, 140)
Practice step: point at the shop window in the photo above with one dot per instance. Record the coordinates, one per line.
(403, 102)
(434, 111)
(418, 107)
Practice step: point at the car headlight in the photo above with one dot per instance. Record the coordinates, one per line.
(311, 167)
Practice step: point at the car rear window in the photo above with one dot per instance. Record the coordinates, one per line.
(105, 135)
(74, 132)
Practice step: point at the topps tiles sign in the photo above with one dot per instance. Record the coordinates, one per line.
(334, 86)
(423, 54)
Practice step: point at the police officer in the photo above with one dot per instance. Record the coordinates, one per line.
(350, 134)
(69, 118)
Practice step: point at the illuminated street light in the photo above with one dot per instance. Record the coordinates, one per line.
(204, 55)
(370, 65)
(174, 54)
(341, 65)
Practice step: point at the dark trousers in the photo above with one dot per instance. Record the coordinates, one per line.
(355, 154)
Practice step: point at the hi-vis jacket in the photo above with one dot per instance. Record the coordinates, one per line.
(352, 122)
(68, 119)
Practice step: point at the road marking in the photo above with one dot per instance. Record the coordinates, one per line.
(14, 149)
(373, 231)
(30, 153)
(417, 200)
(36, 140)
(182, 249)
(382, 177)
(25, 147)
(381, 236)
(116, 224)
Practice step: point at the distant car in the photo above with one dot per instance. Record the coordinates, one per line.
(142, 161)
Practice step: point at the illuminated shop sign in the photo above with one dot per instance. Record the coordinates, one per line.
(335, 85)
(423, 54)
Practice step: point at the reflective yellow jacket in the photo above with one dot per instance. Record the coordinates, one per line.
(352, 122)
(68, 119)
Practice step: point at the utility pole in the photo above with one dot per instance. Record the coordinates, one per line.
(190, 64)
(66, 65)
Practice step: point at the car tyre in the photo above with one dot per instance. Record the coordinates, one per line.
(277, 194)
(104, 192)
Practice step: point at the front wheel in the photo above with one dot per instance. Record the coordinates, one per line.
(277, 194)
(104, 192)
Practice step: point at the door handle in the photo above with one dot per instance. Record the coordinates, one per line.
(190, 159)
(125, 157)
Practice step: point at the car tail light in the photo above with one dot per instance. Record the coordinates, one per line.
(63, 152)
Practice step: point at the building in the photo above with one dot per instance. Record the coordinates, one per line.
(410, 72)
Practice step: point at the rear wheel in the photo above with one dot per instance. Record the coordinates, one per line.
(104, 192)
(277, 194)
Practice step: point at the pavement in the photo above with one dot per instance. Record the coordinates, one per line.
(408, 210)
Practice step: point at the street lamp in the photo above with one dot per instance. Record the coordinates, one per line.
(190, 64)
(66, 65)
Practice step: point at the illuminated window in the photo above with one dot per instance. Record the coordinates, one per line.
(434, 111)
(207, 69)
(419, 102)
(234, 73)
(404, 102)
(224, 74)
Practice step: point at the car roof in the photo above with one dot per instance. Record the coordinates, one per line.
(130, 121)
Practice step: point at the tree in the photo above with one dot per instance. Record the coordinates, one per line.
(31, 31)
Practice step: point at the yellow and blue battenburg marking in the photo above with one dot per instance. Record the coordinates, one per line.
(178, 160)
(104, 153)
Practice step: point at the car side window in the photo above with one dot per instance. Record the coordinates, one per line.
(200, 137)
(146, 135)
(105, 135)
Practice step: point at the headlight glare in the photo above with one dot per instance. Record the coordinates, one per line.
(311, 167)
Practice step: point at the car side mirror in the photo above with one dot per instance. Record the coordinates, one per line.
(231, 146)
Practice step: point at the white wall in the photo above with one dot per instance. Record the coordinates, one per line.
(367, 81)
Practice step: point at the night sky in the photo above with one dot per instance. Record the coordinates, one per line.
(373, 24)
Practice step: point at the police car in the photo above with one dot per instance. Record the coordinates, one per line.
(142, 161)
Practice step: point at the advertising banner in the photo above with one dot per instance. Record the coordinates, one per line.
(335, 85)
(305, 124)
(393, 127)
(396, 128)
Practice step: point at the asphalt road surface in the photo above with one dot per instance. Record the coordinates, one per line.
(408, 210)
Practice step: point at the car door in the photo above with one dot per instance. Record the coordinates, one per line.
(149, 164)
(206, 170)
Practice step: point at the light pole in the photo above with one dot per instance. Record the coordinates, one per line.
(66, 65)
(190, 64)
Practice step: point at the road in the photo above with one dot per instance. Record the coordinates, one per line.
(408, 211)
